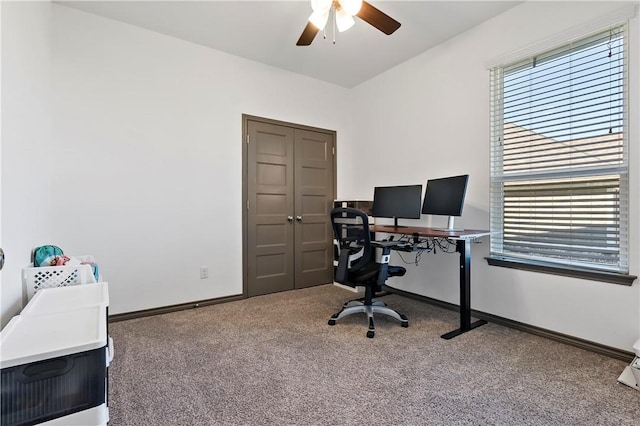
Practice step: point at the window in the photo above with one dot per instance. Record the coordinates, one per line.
(559, 160)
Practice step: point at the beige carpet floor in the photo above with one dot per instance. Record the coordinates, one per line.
(273, 360)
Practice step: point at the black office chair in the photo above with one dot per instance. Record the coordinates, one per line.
(357, 266)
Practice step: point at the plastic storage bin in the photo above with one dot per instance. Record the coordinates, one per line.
(64, 298)
(96, 416)
(37, 278)
(53, 365)
(61, 299)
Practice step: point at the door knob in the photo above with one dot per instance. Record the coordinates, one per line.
(299, 218)
(1, 259)
(290, 218)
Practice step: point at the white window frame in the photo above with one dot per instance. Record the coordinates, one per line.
(501, 179)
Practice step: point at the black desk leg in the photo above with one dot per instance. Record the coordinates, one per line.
(464, 248)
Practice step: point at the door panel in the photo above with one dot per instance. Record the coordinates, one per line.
(313, 201)
(270, 196)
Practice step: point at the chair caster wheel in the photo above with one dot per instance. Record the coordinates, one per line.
(405, 321)
(332, 322)
(370, 334)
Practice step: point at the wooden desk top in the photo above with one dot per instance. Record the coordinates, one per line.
(430, 232)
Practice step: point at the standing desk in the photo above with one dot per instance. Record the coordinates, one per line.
(463, 239)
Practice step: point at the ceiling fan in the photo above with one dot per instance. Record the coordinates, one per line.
(344, 11)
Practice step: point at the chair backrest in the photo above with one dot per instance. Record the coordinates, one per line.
(351, 230)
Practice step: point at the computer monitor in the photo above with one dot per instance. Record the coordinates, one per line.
(397, 202)
(445, 197)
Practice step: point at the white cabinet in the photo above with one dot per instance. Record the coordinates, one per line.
(54, 358)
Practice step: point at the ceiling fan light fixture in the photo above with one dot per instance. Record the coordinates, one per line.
(344, 21)
(319, 19)
(321, 5)
(343, 13)
(352, 7)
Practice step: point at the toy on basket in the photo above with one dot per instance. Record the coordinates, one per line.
(51, 268)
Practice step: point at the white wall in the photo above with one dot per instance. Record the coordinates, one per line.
(430, 118)
(26, 141)
(1, 306)
(146, 156)
(150, 127)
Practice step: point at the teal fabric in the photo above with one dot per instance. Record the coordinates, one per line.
(46, 255)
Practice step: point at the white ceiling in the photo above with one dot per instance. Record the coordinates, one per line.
(267, 31)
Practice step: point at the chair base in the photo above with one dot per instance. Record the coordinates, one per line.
(378, 307)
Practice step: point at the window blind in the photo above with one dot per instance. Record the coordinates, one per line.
(559, 166)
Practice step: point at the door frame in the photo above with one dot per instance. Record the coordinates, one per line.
(245, 185)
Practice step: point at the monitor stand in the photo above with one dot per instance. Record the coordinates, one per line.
(395, 223)
(450, 226)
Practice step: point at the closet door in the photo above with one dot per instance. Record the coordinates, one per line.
(270, 209)
(314, 180)
(290, 187)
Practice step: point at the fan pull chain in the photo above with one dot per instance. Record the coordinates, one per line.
(334, 25)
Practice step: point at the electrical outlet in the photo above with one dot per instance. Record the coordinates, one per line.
(204, 272)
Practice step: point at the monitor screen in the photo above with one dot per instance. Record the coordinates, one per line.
(397, 201)
(445, 196)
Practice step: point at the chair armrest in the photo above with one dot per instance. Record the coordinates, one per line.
(342, 271)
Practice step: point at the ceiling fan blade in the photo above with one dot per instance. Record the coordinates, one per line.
(377, 18)
(308, 34)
